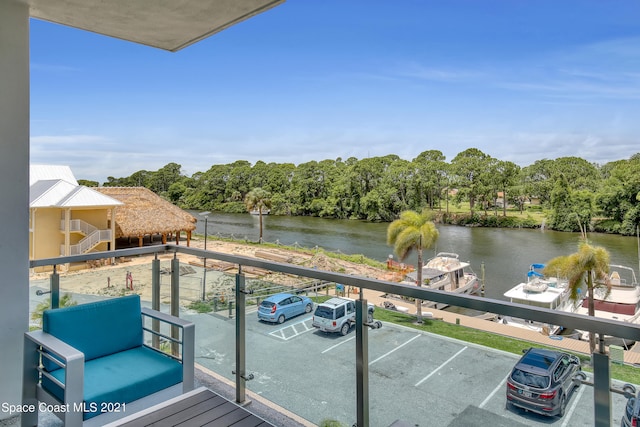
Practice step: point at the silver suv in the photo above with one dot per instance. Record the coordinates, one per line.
(338, 315)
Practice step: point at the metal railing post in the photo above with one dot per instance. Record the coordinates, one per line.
(175, 301)
(240, 338)
(362, 364)
(601, 390)
(602, 398)
(155, 299)
(54, 283)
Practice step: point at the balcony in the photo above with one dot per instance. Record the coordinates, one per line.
(295, 375)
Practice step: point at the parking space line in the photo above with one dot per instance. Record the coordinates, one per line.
(279, 333)
(567, 416)
(441, 366)
(495, 390)
(340, 343)
(397, 348)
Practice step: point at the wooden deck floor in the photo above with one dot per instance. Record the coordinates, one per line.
(201, 407)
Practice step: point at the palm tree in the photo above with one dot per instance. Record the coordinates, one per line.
(411, 231)
(260, 200)
(591, 265)
(66, 300)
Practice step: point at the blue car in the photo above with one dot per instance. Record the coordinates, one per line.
(280, 307)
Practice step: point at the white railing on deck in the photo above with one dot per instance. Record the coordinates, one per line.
(79, 226)
(93, 238)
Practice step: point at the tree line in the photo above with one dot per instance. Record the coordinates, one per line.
(573, 193)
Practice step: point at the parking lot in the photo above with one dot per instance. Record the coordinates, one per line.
(423, 379)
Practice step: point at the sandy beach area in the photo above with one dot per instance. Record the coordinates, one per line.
(116, 279)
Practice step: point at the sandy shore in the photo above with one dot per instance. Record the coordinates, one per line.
(111, 280)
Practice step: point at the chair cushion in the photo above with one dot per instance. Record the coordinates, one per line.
(121, 378)
(97, 329)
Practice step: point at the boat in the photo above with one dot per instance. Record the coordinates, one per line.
(445, 272)
(622, 303)
(257, 212)
(541, 291)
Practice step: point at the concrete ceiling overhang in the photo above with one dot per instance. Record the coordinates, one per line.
(165, 24)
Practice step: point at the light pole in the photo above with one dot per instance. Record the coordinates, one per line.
(205, 214)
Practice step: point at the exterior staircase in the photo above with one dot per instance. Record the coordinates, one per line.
(93, 237)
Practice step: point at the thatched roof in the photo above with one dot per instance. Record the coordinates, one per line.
(144, 213)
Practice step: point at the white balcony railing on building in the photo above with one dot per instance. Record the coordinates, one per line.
(90, 242)
(78, 226)
(94, 236)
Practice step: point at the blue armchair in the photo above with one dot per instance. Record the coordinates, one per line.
(90, 364)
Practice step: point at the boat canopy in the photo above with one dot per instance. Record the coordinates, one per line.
(532, 270)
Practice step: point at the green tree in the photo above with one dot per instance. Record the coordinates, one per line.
(88, 183)
(470, 169)
(538, 182)
(238, 179)
(619, 195)
(413, 231)
(580, 174)
(260, 200)
(430, 177)
(160, 181)
(562, 216)
(506, 179)
(589, 265)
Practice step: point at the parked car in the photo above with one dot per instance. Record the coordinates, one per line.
(631, 417)
(542, 381)
(280, 307)
(338, 315)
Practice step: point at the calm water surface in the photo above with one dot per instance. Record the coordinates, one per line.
(505, 253)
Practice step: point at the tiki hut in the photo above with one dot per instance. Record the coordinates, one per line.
(144, 213)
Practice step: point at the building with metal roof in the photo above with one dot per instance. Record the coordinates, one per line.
(66, 218)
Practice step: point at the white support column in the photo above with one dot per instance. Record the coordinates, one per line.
(14, 209)
(112, 214)
(67, 231)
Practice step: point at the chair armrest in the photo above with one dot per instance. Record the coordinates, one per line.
(188, 342)
(61, 349)
(167, 318)
(67, 357)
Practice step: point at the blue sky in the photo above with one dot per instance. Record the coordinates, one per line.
(521, 80)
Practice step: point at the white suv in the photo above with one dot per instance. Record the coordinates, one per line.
(338, 314)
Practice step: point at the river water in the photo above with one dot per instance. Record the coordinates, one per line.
(505, 253)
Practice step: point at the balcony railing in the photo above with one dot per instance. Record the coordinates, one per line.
(360, 370)
(93, 236)
(78, 226)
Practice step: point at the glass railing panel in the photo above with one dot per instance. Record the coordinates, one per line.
(306, 371)
(414, 373)
(421, 374)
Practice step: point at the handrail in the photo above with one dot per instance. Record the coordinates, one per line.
(601, 326)
(506, 308)
(93, 236)
(90, 241)
(78, 225)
